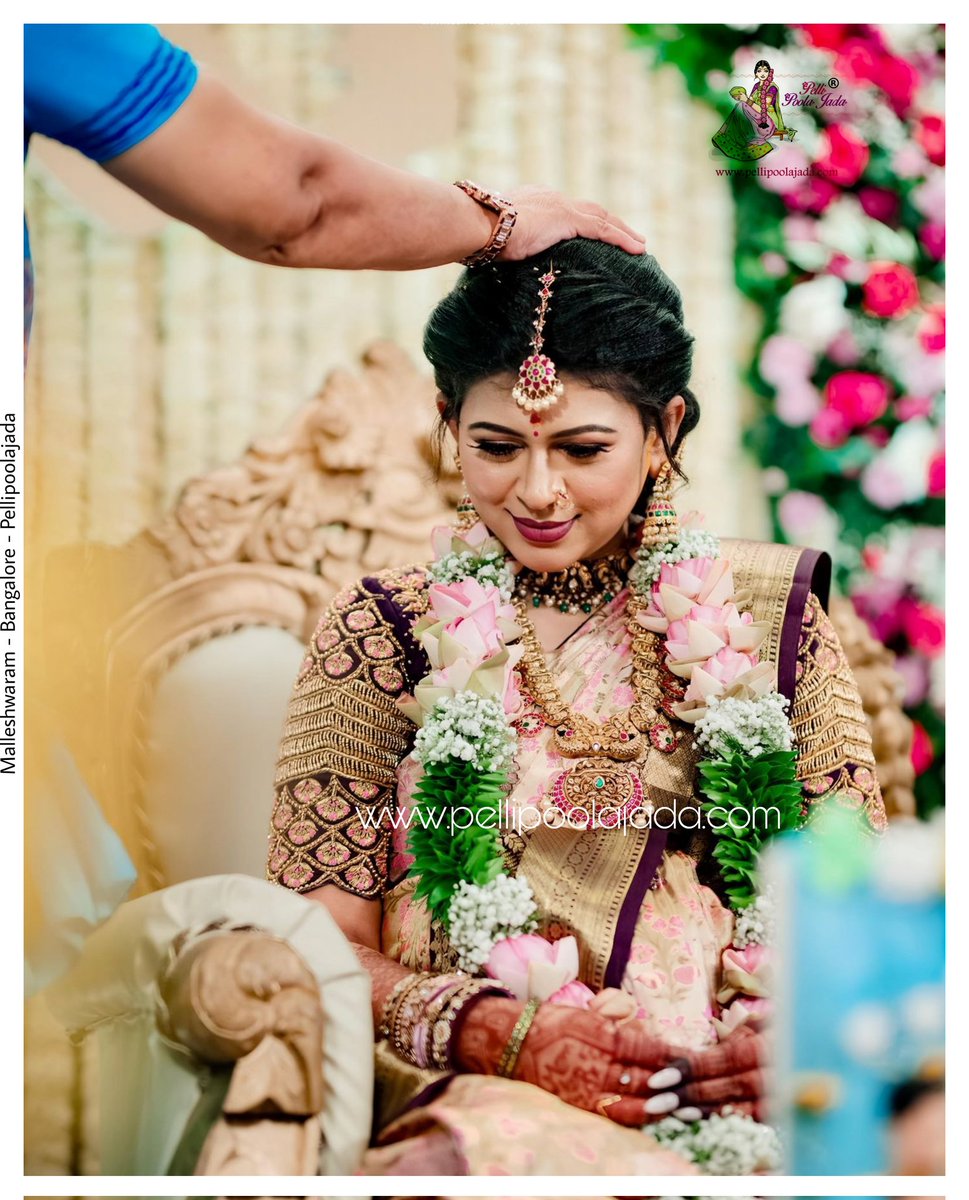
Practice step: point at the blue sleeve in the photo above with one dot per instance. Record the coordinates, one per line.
(102, 88)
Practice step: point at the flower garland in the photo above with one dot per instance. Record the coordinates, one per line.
(466, 706)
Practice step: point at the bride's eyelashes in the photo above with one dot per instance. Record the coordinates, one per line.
(577, 450)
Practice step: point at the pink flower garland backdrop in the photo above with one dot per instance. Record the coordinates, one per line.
(846, 262)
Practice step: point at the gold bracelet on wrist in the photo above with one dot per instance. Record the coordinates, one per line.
(509, 1058)
(507, 216)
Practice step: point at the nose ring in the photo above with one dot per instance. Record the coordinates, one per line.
(561, 499)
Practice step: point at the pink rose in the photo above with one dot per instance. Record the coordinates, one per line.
(812, 195)
(890, 290)
(858, 58)
(533, 967)
(937, 475)
(898, 79)
(826, 37)
(909, 407)
(843, 349)
(932, 237)
(843, 154)
(830, 428)
(785, 359)
(857, 396)
(932, 329)
(796, 404)
(924, 626)
(930, 134)
(923, 752)
(880, 203)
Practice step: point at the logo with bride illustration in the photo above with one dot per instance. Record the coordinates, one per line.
(755, 124)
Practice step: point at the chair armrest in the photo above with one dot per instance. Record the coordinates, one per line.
(127, 972)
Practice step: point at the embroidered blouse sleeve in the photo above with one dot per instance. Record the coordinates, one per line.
(835, 758)
(343, 741)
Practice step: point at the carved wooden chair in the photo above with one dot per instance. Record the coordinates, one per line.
(181, 670)
(174, 657)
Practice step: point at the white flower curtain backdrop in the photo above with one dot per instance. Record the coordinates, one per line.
(157, 357)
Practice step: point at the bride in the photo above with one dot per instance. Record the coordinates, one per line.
(547, 984)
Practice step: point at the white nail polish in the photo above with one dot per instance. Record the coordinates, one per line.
(668, 1077)
(662, 1104)
(688, 1114)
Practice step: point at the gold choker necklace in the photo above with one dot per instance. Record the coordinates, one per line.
(579, 587)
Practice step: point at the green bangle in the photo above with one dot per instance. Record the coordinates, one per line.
(509, 1058)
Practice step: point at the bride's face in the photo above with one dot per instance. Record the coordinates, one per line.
(590, 444)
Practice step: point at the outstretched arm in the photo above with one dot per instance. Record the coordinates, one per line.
(276, 193)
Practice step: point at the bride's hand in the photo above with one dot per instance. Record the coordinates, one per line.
(732, 1073)
(582, 1057)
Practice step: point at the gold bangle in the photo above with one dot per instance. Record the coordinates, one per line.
(510, 1056)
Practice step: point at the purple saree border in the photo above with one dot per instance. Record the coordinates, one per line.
(812, 573)
(632, 903)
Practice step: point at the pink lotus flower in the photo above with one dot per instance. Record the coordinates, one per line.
(748, 1011)
(890, 290)
(857, 396)
(533, 967)
(725, 667)
(930, 134)
(445, 540)
(745, 971)
(843, 154)
(577, 994)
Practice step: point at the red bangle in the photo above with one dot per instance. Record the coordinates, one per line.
(507, 216)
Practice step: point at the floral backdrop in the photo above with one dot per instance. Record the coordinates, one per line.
(842, 251)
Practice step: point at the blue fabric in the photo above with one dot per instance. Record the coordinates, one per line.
(101, 88)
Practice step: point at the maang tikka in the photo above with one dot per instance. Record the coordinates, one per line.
(538, 387)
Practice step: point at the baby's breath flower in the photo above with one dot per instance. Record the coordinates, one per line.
(752, 727)
(482, 914)
(469, 727)
(755, 923)
(726, 1143)
(692, 543)
(489, 569)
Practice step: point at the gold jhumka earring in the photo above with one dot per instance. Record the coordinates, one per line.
(661, 525)
(467, 514)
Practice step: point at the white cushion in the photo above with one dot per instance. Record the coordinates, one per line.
(149, 1089)
(213, 730)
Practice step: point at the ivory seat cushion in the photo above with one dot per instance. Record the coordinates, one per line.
(212, 734)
